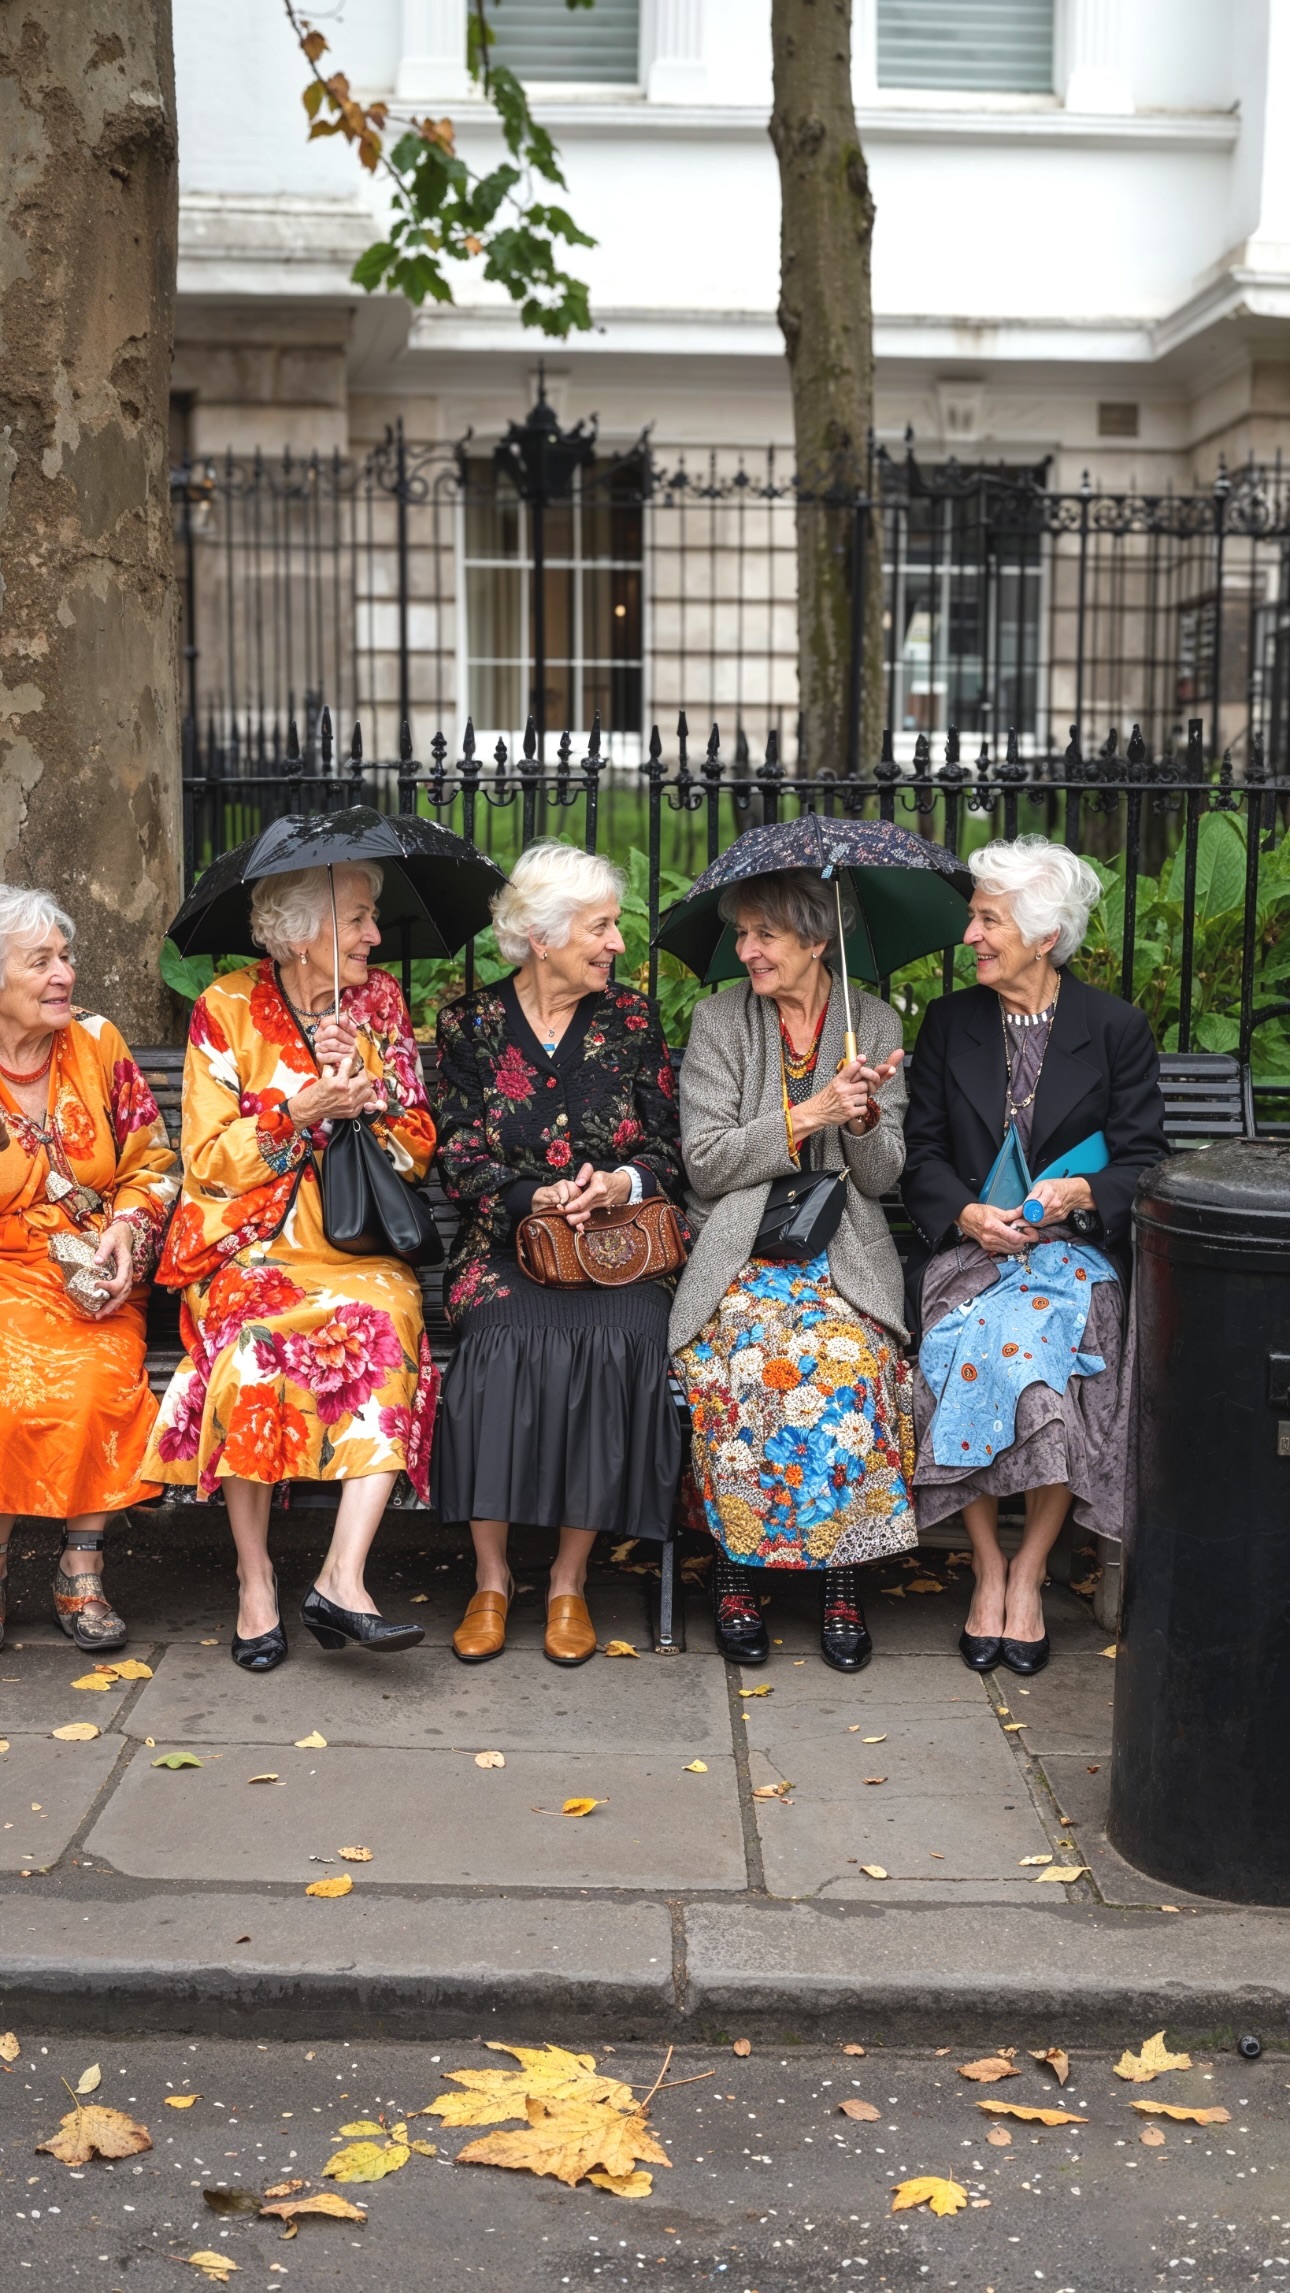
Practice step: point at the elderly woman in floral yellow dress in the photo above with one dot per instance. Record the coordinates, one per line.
(86, 1172)
(303, 1363)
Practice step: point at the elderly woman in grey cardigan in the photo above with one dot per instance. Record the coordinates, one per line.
(798, 1390)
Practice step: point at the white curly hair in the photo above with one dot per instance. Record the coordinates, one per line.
(549, 883)
(288, 911)
(29, 915)
(1048, 889)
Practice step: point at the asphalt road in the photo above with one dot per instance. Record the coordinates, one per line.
(771, 2188)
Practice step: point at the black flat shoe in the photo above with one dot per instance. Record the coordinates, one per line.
(1025, 1656)
(334, 1627)
(265, 1650)
(844, 1635)
(742, 1637)
(980, 1651)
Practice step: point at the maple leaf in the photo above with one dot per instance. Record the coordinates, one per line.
(96, 2129)
(327, 2201)
(989, 2069)
(1141, 2068)
(930, 2190)
(635, 2184)
(566, 2140)
(367, 2161)
(549, 2072)
(1033, 2117)
(1216, 2116)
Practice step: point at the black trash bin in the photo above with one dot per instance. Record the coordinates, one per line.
(1200, 1764)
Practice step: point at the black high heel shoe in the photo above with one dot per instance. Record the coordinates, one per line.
(980, 1651)
(334, 1627)
(844, 1635)
(266, 1650)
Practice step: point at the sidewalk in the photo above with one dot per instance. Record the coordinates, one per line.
(140, 1897)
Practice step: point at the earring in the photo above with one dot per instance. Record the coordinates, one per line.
(542, 955)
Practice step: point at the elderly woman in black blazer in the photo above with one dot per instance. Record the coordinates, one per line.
(1025, 1368)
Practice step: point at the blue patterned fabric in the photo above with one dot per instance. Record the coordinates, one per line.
(1027, 1329)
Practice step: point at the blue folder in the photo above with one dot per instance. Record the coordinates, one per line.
(1009, 1181)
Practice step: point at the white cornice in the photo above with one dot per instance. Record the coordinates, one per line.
(235, 242)
(571, 119)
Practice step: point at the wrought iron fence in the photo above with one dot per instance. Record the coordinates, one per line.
(1203, 942)
(553, 578)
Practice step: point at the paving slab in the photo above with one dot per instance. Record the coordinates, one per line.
(36, 1692)
(903, 1972)
(430, 1819)
(1067, 1708)
(423, 1698)
(503, 1965)
(46, 1792)
(1085, 1796)
(809, 1699)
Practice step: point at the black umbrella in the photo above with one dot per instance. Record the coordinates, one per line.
(436, 891)
(910, 897)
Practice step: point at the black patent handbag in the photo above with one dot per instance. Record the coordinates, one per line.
(803, 1213)
(368, 1210)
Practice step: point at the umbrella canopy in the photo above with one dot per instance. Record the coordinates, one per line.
(435, 883)
(910, 897)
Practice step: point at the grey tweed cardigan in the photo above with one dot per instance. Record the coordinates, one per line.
(733, 1143)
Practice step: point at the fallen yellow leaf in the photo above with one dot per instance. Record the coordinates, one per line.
(83, 2132)
(635, 2184)
(362, 2126)
(930, 2190)
(216, 2268)
(1063, 1871)
(696, 1767)
(875, 1739)
(1014, 1727)
(1056, 2059)
(1141, 2068)
(852, 2048)
(355, 1854)
(340, 1885)
(311, 1743)
(1109, 1652)
(567, 2140)
(98, 1680)
(550, 2072)
(76, 1732)
(284, 2189)
(268, 1777)
(873, 1870)
(4, 1743)
(765, 1690)
(624, 1648)
(10, 2046)
(129, 1669)
(999, 2137)
(181, 2101)
(924, 1584)
(620, 1552)
(1153, 2137)
(989, 2069)
(855, 2109)
(490, 1759)
(581, 1806)
(743, 2048)
(90, 2080)
(417, 1598)
(1217, 2116)
(367, 2161)
(773, 1790)
(425, 2149)
(875, 1779)
(1024, 1861)
(1033, 2117)
(327, 2201)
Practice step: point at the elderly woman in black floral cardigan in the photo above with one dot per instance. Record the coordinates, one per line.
(556, 1094)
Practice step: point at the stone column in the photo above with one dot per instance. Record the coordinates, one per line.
(675, 71)
(432, 66)
(1092, 70)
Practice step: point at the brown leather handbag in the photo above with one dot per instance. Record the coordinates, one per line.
(640, 1242)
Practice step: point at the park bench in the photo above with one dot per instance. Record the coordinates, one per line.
(1205, 1099)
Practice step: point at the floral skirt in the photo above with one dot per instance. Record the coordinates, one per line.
(803, 1432)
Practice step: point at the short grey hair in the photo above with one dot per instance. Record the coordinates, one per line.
(1048, 888)
(548, 884)
(26, 914)
(290, 909)
(792, 900)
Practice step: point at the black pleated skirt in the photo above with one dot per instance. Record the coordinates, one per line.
(556, 1411)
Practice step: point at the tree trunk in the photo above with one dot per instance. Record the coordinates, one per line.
(826, 318)
(89, 741)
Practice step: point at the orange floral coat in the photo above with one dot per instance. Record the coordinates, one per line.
(302, 1364)
(75, 1407)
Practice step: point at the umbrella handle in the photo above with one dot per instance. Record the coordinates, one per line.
(335, 944)
(849, 1051)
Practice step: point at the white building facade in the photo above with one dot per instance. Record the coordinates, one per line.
(1081, 264)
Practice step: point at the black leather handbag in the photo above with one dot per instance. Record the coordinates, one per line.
(368, 1210)
(803, 1213)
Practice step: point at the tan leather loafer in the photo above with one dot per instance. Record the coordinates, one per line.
(481, 1633)
(570, 1633)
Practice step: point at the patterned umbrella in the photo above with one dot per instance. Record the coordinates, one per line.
(910, 897)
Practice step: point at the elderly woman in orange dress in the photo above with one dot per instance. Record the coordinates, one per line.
(87, 1179)
(303, 1363)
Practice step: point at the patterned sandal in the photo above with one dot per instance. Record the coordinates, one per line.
(85, 1614)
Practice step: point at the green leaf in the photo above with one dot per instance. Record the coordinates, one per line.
(177, 1760)
(188, 975)
(1220, 866)
(372, 265)
(1214, 1032)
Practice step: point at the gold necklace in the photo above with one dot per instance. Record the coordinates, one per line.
(1014, 1107)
